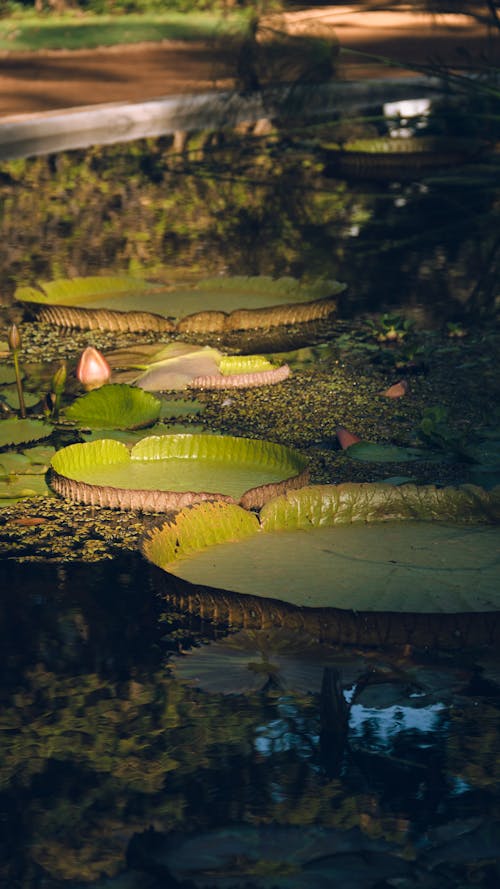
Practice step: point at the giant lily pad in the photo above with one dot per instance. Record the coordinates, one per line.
(355, 563)
(98, 303)
(167, 472)
(180, 365)
(387, 158)
(214, 304)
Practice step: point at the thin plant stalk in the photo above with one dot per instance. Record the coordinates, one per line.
(14, 340)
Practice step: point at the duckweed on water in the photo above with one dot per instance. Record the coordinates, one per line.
(56, 531)
(341, 386)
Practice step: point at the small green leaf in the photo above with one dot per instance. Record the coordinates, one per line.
(12, 463)
(16, 431)
(22, 486)
(7, 373)
(116, 406)
(11, 396)
(181, 408)
(371, 452)
(40, 455)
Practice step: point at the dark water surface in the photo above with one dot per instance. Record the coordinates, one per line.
(108, 756)
(379, 770)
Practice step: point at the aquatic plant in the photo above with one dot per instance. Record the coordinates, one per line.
(181, 365)
(167, 472)
(114, 406)
(92, 370)
(14, 431)
(14, 340)
(23, 474)
(352, 562)
(212, 305)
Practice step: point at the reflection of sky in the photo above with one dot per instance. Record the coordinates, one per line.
(401, 114)
(384, 724)
(380, 725)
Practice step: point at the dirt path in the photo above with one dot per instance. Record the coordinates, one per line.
(40, 82)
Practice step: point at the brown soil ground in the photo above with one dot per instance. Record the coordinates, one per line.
(46, 81)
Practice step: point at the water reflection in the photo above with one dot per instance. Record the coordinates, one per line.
(110, 762)
(273, 204)
(102, 743)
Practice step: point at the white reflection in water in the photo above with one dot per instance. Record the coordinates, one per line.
(384, 724)
(401, 114)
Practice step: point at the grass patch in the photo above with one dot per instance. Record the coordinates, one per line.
(29, 33)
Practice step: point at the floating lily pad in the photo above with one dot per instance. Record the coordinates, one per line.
(372, 452)
(10, 395)
(181, 408)
(40, 456)
(359, 563)
(12, 463)
(382, 158)
(23, 475)
(17, 431)
(180, 365)
(99, 303)
(115, 406)
(19, 487)
(213, 305)
(170, 471)
(7, 374)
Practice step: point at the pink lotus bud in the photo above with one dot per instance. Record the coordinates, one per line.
(346, 438)
(93, 370)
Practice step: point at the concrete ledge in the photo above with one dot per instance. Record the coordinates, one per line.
(50, 132)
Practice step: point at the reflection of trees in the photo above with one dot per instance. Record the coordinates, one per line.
(99, 742)
(132, 208)
(253, 206)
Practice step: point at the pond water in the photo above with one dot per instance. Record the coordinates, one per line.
(142, 747)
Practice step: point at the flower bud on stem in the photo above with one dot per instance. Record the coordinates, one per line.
(57, 388)
(14, 340)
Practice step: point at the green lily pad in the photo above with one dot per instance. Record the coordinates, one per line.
(176, 365)
(7, 374)
(181, 408)
(371, 452)
(180, 365)
(386, 560)
(17, 431)
(386, 157)
(19, 487)
(33, 461)
(40, 455)
(215, 304)
(127, 436)
(10, 395)
(170, 471)
(12, 462)
(115, 406)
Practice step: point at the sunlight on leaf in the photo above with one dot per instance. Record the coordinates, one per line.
(114, 406)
